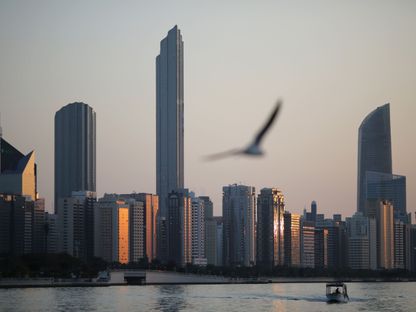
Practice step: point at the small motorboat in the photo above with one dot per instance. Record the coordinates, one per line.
(337, 292)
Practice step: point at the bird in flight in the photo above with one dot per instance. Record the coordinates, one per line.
(253, 149)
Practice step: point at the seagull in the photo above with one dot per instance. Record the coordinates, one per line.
(253, 149)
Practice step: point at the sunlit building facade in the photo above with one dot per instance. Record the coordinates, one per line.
(291, 238)
(146, 228)
(111, 228)
(151, 209)
(385, 236)
(270, 227)
(123, 235)
(18, 175)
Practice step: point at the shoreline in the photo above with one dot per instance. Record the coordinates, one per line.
(50, 283)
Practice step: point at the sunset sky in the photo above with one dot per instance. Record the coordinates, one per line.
(332, 63)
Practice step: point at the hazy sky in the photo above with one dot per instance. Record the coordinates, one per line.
(332, 62)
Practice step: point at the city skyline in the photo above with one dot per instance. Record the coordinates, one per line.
(309, 122)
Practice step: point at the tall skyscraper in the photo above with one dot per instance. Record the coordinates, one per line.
(374, 149)
(270, 210)
(74, 150)
(169, 118)
(239, 237)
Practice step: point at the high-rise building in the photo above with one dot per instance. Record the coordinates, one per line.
(169, 118)
(412, 248)
(137, 230)
(210, 240)
(208, 207)
(18, 174)
(321, 247)
(52, 233)
(399, 244)
(213, 241)
(16, 224)
(307, 244)
(75, 153)
(198, 231)
(291, 239)
(320, 220)
(314, 209)
(385, 236)
(39, 229)
(179, 228)
(384, 186)
(239, 214)
(76, 224)
(210, 229)
(374, 149)
(111, 229)
(337, 217)
(270, 210)
(219, 242)
(151, 210)
(361, 230)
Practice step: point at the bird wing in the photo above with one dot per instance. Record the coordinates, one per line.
(269, 122)
(221, 155)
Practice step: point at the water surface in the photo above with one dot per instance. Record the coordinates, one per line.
(264, 297)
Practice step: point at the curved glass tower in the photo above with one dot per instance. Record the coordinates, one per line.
(74, 150)
(374, 149)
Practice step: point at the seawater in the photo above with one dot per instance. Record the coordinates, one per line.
(264, 297)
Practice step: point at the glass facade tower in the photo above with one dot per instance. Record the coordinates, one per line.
(374, 149)
(169, 118)
(74, 150)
